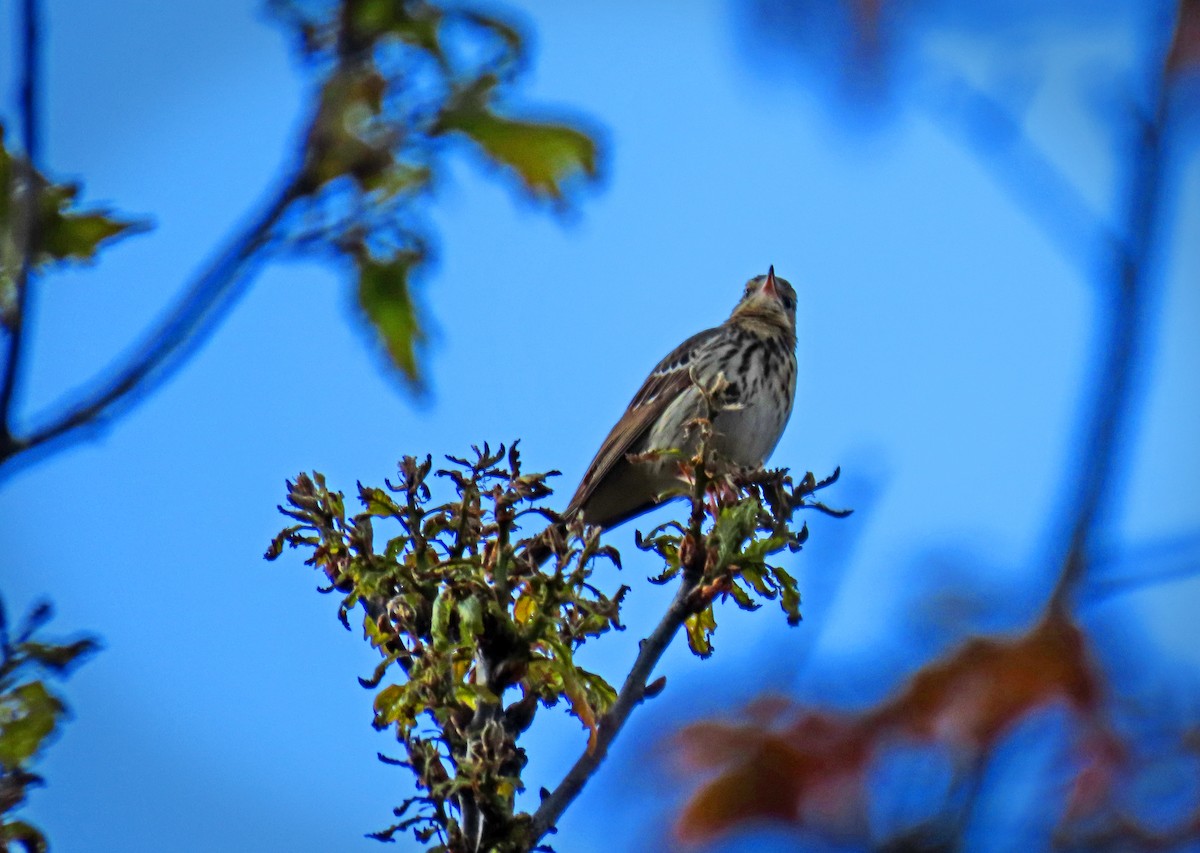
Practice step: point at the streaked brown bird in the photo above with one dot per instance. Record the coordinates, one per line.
(755, 350)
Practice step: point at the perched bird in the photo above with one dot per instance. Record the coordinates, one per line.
(755, 349)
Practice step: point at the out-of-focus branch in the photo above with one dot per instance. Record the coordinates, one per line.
(1111, 408)
(633, 691)
(26, 236)
(163, 348)
(1165, 562)
(998, 140)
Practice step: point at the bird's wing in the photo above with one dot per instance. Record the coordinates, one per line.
(666, 381)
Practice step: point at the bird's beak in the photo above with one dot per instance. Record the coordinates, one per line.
(769, 285)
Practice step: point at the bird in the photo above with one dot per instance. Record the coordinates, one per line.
(755, 351)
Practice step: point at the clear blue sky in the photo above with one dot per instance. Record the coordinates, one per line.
(943, 340)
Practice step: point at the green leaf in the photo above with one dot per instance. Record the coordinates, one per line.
(65, 233)
(28, 714)
(25, 834)
(384, 296)
(789, 595)
(545, 156)
(378, 502)
(470, 620)
(700, 627)
(389, 705)
(443, 606)
(413, 23)
(574, 689)
(68, 235)
(741, 597)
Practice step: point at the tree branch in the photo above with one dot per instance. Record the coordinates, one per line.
(1111, 409)
(27, 237)
(164, 348)
(633, 691)
(999, 141)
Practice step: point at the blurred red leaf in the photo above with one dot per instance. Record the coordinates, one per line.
(1184, 54)
(808, 767)
(807, 772)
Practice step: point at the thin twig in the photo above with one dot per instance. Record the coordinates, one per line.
(27, 236)
(163, 349)
(633, 691)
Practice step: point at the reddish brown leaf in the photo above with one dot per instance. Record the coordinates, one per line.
(808, 767)
(972, 698)
(809, 772)
(1184, 55)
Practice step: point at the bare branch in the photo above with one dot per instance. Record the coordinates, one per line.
(27, 236)
(633, 691)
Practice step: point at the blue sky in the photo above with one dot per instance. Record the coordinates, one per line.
(943, 343)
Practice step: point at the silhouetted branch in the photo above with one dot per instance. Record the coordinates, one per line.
(27, 236)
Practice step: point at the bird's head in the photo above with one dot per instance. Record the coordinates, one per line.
(769, 300)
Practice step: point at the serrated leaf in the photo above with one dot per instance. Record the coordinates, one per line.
(65, 232)
(77, 236)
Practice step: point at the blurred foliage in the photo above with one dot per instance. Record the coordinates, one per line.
(29, 715)
(812, 768)
(396, 87)
(462, 610)
(823, 771)
(402, 79)
(63, 232)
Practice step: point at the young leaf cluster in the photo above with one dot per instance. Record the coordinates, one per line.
(29, 715)
(739, 519)
(461, 614)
